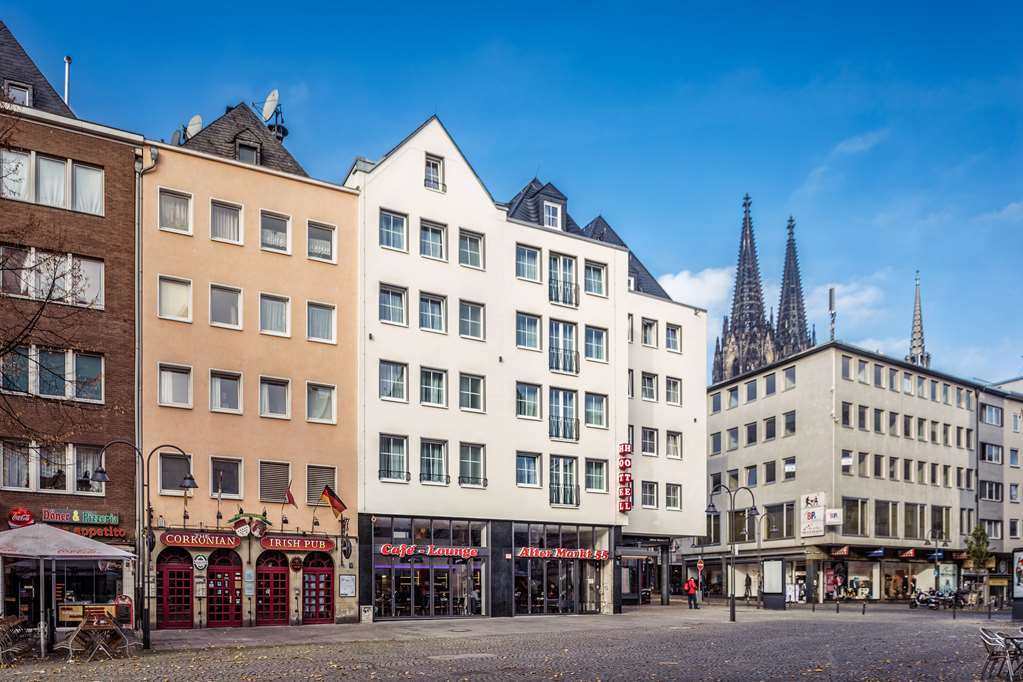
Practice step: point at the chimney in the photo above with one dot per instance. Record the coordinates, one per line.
(67, 80)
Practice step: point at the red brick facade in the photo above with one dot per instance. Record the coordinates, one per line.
(109, 331)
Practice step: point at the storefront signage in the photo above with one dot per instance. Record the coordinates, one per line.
(20, 517)
(80, 516)
(296, 563)
(1017, 574)
(833, 517)
(345, 585)
(840, 551)
(200, 562)
(100, 532)
(562, 553)
(180, 538)
(908, 554)
(403, 551)
(960, 556)
(812, 509)
(625, 477)
(296, 543)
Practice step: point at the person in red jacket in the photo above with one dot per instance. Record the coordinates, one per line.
(690, 590)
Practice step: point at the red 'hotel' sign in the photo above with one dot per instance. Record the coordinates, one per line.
(296, 543)
(180, 538)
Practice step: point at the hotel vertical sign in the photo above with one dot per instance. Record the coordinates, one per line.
(625, 477)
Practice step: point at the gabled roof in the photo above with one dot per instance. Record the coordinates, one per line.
(16, 65)
(239, 123)
(646, 283)
(527, 205)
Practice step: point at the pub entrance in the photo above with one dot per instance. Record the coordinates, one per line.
(272, 589)
(174, 589)
(224, 590)
(317, 589)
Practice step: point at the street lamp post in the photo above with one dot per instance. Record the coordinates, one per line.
(100, 476)
(711, 509)
(938, 536)
(760, 556)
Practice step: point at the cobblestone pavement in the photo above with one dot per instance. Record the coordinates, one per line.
(649, 644)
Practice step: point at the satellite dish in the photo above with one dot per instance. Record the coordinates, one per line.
(270, 104)
(194, 126)
(176, 138)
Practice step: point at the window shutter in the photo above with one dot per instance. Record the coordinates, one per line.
(316, 478)
(273, 481)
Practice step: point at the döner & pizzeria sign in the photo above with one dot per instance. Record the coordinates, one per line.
(173, 538)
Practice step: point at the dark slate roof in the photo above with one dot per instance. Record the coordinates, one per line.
(241, 123)
(16, 65)
(646, 283)
(527, 205)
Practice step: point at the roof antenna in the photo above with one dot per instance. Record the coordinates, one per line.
(831, 310)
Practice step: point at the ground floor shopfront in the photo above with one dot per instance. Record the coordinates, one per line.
(440, 567)
(202, 578)
(841, 573)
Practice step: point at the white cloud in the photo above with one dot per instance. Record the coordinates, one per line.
(1010, 213)
(860, 143)
(709, 288)
(856, 301)
(813, 183)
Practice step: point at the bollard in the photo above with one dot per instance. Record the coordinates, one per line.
(813, 606)
(864, 608)
(989, 609)
(837, 605)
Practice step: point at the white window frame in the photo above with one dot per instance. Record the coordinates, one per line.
(556, 213)
(667, 381)
(443, 312)
(444, 387)
(539, 331)
(287, 235)
(159, 385)
(259, 397)
(240, 495)
(241, 221)
(405, 222)
(287, 316)
(537, 461)
(539, 401)
(405, 383)
(483, 392)
(667, 439)
(8, 84)
(667, 505)
(483, 246)
(405, 457)
(642, 386)
(483, 320)
(72, 381)
(333, 322)
(439, 162)
(191, 302)
(586, 418)
(603, 280)
(678, 337)
(241, 306)
(175, 491)
(160, 190)
(586, 346)
(642, 441)
(333, 241)
(539, 263)
(643, 321)
(333, 402)
(433, 225)
(642, 494)
(241, 391)
(403, 291)
(607, 475)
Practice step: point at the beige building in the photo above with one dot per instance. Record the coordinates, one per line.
(248, 376)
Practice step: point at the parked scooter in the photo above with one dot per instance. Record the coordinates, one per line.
(926, 599)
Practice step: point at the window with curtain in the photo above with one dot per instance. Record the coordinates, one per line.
(431, 386)
(15, 370)
(321, 241)
(225, 391)
(527, 331)
(87, 278)
(15, 464)
(471, 468)
(51, 181)
(320, 403)
(431, 312)
(14, 174)
(52, 467)
(225, 222)
(470, 320)
(320, 321)
(87, 188)
(175, 299)
(431, 460)
(88, 458)
(392, 457)
(88, 376)
(273, 232)
(14, 270)
(273, 397)
(174, 211)
(273, 314)
(225, 306)
(392, 380)
(52, 368)
(175, 386)
(51, 275)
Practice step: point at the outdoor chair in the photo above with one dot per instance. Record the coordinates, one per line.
(14, 640)
(72, 643)
(996, 651)
(129, 640)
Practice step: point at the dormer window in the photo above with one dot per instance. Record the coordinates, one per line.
(552, 215)
(434, 177)
(248, 153)
(18, 93)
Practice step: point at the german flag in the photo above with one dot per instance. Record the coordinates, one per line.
(331, 498)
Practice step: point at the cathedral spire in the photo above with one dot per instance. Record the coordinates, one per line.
(791, 333)
(918, 355)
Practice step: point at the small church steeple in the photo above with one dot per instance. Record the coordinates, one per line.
(918, 354)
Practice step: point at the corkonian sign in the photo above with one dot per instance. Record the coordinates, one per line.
(812, 508)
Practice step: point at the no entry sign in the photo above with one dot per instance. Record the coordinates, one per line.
(699, 566)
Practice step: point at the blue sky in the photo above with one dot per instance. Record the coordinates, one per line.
(893, 133)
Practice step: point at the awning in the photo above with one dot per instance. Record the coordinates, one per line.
(41, 541)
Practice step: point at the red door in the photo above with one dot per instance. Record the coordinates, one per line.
(317, 589)
(272, 589)
(173, 589)
(224, 590)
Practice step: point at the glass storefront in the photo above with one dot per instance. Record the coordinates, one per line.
(558, 568)
(81, 586)
(429, 568)
(851, 580)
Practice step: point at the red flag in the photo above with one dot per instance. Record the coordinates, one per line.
(331, 498)
(291, 498)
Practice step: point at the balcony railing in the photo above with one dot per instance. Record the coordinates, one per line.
(564, 360)
(473, 480)
(433, 183)
(565, 429)
(434, 478)
(565, 495)
(395, 475)
(564, 291)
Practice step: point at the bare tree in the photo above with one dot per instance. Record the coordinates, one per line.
(45, 296)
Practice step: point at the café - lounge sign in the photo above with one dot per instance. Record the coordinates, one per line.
(180, 538)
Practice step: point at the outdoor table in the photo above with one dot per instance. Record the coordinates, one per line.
(101, 635)
(1014, 658)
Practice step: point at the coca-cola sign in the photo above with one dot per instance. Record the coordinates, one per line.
(20, 517)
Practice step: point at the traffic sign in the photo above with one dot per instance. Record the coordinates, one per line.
(699, 566)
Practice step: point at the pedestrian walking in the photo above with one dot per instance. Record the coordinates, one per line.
(749, 587)
(690, 590)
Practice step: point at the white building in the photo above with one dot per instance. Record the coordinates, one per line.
(494, 382)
